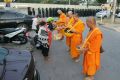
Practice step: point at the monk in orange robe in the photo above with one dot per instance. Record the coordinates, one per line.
(91, 61)
(70, 22)
(61, 22)
(62, 17)
(76, 39)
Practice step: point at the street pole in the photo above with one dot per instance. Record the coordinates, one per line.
(87, 3)
(69, 2)
(114, 10)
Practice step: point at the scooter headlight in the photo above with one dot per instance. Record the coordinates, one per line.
(24, 29)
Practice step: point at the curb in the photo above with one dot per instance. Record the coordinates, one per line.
(105, 25)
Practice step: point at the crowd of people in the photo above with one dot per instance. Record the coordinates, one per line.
(72, 27)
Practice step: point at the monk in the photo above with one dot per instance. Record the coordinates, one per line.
(61, 23)
(70, 22)
(91, 61)
(76, 39)
(62, 17)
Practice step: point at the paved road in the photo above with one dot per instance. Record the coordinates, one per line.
(61, 67)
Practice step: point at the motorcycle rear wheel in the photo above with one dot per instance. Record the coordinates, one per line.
(22, 39)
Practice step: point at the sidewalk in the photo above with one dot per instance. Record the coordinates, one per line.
(106, 23)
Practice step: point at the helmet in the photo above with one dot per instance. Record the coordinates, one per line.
(50, 19)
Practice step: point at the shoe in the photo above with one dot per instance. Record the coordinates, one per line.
(46, 58)
(30, 49)
(68, 50)
(88, 78)
(77, 60)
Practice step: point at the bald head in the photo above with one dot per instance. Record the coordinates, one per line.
(91, 22)
(59, 11)
(70, 13)
(76, 17)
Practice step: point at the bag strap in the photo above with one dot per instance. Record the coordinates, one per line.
(72, 27)
(88, 38)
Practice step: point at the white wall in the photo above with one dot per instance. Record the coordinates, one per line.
(109, 1)
(25, 5)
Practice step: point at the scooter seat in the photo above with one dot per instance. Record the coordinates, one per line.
(8, 30)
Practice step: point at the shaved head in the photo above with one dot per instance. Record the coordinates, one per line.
(59, 11)
(76, 15)
(70, 12)
(91, 22)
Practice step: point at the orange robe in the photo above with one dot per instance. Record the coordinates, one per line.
(91, 62)
(76, 39)
(62, 18)
(62, 21)
(69, 24)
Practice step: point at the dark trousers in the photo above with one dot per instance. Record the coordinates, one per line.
(45, 51)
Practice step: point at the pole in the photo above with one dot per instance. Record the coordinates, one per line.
(101, 18)
(69, 2)
(114, 10)
(87, 3)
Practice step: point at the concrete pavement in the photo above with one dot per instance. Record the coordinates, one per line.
(61, 67)
(106, 23)
(115, 27)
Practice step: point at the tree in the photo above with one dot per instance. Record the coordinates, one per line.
(75, 1)
(114, 10)
(101, 1)
(118, 3)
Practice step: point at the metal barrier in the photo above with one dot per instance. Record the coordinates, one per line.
(52, 12)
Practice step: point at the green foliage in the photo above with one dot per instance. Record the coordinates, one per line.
(101, 1)
(28, 1)
(118, 2)
(35, 1)
(47, 1)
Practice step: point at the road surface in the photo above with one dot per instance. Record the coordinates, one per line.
(61, 67)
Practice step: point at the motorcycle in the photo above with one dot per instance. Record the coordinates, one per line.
(41, 39)
(13, 35)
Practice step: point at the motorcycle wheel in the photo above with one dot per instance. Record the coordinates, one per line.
(22, 39)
